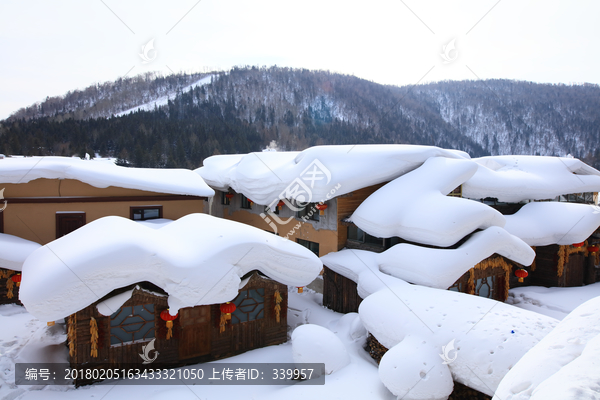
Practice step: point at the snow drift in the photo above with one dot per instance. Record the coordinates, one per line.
(197, 260)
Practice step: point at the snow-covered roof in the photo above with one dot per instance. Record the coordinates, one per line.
(416, 208)
(14, 250)
(197, 259)
(481, 339)
(516, 178)
(438, 268)
(103, 174)
(544, 223)
(563, 365)
(317, 172)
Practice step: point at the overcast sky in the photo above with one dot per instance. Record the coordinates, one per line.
(51, 47)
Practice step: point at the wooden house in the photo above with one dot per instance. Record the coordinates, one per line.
(196, 335)
(48, 197)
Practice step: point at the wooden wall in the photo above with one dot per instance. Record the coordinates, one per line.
(339, 293)
(546, 270)
(236, 339)
(4, 289)
(346, 204)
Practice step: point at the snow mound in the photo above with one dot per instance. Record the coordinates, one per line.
(440, 268)
(490, 336)
(197, 259)
(415, 206)
(571, 349)
(103, 175)
(14, 251)
(315, 344)
(317, 172)
(516, 178)
(541, 224)
(411, 370)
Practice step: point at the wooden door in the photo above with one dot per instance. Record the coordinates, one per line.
(195, 332)
(575, 270)
(68, 222)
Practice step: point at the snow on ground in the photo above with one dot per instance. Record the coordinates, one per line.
(489, 337)
(564, 365)
(427, 215)
(14, 250)
(516, 178)
(568, 223)
(554, 302)
(103, 175)
(312, 175)
(358, 380)
(198, 259)
(164, 100)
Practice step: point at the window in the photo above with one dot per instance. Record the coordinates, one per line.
(246, 203)
(132, 324)
(484, 287)
(144, 213)
(358, 235)
(249, 306)
(312, 246)
(267, 209)
(309, 212)
(585, 198)
(224, 199)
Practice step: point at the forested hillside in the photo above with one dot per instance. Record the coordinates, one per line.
(179, 123)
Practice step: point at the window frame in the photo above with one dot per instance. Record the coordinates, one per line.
(307, 244)
(304, 212)
(224, 200)
(132, 210)
(246, 205)
(235, 316)
(149, 334)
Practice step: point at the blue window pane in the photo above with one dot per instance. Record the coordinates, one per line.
(132, 324)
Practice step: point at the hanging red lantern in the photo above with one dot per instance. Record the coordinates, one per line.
(280, 204)
(16, 279)
(166, 316)
(593, 249)
(578, 244)
(521, 274)
(321, 208)
(300, 289)
(226, 310)
(229, 196)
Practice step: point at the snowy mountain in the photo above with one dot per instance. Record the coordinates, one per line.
(246, 108)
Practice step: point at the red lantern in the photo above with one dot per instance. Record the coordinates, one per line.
(280, 204)
(321, 208)
(166, 316)
(16, 279)
(301, 289)
(521, 273)
(229, 196)
(228, 308)
(593, 249)
(578, 244)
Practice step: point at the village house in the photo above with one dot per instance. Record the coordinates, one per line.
(199, 288)
(46, 198)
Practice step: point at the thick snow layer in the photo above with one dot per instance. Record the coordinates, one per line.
(315, 344)
(197, 260)
(440, 268)
(108, 306)
(556, 302)
(14, 251)
(415, 206)
(414, 360)
(318, 173)
(489, 336)
(103, 174)
(544, 223)
(361, 267)
(561, 354)
(517, 178)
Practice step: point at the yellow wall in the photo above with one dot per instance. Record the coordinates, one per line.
(327, 239)
(37, 221)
